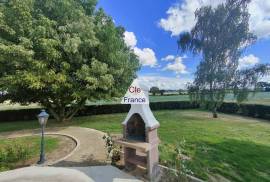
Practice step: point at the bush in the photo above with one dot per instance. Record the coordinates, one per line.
(113, 151)
(11, 153)
(177, 161)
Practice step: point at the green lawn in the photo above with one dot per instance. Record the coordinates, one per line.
(13, 152)
(234, 147)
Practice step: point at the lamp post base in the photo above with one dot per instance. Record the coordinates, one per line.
(41, 160)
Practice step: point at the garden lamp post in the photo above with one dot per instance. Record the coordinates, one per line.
(42, 119)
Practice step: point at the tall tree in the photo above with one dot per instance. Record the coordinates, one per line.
(219, 36)
(61, 54)
(154, 90)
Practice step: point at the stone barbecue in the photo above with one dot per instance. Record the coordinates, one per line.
(140, 139)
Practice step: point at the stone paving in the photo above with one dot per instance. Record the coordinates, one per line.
(60, 174)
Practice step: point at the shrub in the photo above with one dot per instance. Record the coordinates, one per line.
(12, 152)
(113, 151)
(176, 162)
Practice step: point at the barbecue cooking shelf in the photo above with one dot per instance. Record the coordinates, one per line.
(142, 146)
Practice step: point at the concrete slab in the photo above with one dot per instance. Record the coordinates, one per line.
(60, 174)
(106, 174)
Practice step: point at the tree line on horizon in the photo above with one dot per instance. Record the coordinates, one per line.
(155, 90)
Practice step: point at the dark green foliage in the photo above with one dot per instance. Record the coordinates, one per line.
(154, 90)
(30, 114)
(229, 107)
(60, 54)
(251, 110)
(162, 92)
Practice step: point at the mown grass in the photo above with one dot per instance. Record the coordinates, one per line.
(14, 152)
(235, 147)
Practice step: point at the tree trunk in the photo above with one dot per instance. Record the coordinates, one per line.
(63, 114)
(59, 114)
(214, 111)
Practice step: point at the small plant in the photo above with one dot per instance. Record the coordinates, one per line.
(177, 162)
(11, 153)
(113, 151)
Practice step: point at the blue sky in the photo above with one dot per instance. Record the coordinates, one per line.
(153, 27)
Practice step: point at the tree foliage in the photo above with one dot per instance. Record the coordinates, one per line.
(220, 36)
(154, 90)
(61, 54)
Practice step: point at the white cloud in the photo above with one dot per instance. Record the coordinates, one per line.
(146, 56)
(130, 39)
(167, 83)
(260, 17)
(248, 61)
(177, 66)
(168, 58)
(181, 17)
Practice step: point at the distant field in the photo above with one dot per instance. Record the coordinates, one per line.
(258, 98)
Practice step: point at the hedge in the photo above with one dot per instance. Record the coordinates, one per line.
(251, 110)
(30, 114)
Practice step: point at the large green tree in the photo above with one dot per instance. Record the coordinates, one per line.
(154, 90)
(61, 54)
(220, 36)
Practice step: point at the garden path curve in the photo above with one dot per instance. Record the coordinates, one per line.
(90, 149)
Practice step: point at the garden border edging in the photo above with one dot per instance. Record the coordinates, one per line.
(77, 142)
